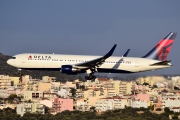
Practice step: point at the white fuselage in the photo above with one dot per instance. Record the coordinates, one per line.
(111, 65)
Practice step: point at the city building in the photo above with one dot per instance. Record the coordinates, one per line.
(33, 95)
(109, 103)
(30, 107)
(5, 81)
(62, 104)
(15, 80)
(42, 86)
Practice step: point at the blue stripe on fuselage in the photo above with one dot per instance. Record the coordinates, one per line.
(103, 70)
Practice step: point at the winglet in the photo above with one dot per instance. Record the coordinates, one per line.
(111, 51)
(127, 52)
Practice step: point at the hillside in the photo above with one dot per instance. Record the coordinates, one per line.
(6, 69)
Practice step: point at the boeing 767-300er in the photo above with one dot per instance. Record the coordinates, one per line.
(75, 64)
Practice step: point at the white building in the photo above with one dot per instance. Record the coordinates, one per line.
(82, 106)
(64, 93)
(170, 102)
(30, 107)
(175, 109)
(4, 94)
(139, 104)
(109, 104)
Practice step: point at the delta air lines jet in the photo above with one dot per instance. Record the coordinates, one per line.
(75, 64)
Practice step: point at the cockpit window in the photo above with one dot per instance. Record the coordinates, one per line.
(13, 57)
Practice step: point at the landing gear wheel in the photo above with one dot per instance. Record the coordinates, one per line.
(90, 77)
(93, 77)
(86, 77)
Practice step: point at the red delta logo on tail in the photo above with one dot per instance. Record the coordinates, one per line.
(162, 49)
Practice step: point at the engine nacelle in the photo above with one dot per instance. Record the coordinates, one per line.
(68, 69)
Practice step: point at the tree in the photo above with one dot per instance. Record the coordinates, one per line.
(93, 109)
(11, 98)
(82, 87)
(46, 109)
(154, 86)
(151, 107)
(77, 86)
(73, 91)
(145, 83)
(176, 88)
(167, 110)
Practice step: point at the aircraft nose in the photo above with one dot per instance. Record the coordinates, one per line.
(10, 62)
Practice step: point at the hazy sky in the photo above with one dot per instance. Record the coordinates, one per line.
(89, 27)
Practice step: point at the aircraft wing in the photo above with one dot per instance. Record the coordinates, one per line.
(96, 62)
(166, 62)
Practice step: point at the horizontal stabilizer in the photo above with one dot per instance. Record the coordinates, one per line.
(166, 62)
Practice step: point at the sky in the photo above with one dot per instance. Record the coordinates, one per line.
(89, 27)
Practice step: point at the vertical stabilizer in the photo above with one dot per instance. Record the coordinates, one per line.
(162, 49)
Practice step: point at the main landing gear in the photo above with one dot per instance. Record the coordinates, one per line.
(91, 76)
(20, 75)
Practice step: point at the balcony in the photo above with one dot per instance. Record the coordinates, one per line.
(27, 108)
(40, 107)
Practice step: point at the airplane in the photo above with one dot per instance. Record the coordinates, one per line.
(76, 64)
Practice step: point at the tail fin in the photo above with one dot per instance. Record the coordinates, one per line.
(162, 49)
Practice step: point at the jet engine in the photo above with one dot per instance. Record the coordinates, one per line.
(68, 69)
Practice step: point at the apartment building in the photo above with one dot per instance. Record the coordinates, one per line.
(110, 103)
(4, 94)
(15, 80)
(62, 104)
(42, 86)
(31, 85)
(139, 104)
(48, 79)
(123, 87)
(49, 96)
(5, 81)
(170, 102)
(143, 97)
(47, 103)
(33, 95)
(101, 80)
(151, 80)
(175, 109)
(64, 93)
(30, 107)
(91, 96)
(68, 85)
(55, 86)
(82, 106)
(26, 78)
(109, 89)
